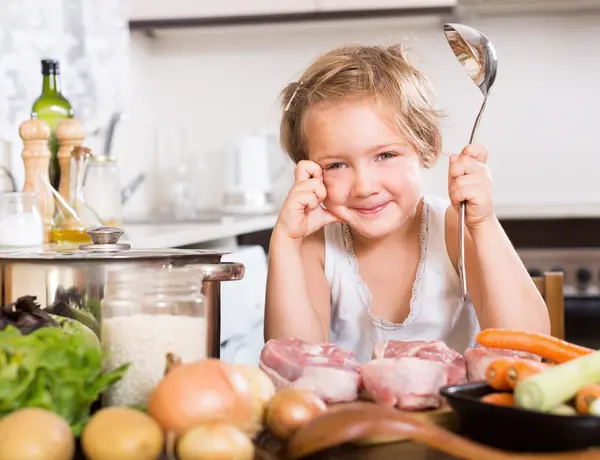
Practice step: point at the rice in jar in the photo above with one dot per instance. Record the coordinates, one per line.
(146, 314)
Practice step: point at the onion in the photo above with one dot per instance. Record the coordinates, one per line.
(204, 391)
(290, 409)
(172, 361)
(262, 390)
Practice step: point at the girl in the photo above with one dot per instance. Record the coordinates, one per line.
(358, 255)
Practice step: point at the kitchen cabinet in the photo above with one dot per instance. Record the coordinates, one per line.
(346, 5)
(155, 10)
(152, 14)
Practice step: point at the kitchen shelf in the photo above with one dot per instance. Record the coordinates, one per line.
(292, 17)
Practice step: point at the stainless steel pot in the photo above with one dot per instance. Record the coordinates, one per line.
(77, 275)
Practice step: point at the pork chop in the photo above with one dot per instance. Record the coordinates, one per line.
(327, 370)
(479, 358)
(434, 350)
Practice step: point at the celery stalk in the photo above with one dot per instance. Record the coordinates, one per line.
(550, 388)
(563, 409)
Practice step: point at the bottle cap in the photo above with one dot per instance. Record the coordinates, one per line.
(50, 66)
(80, 151)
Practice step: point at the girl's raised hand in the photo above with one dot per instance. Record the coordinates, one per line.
(302, 213)
(469, 180)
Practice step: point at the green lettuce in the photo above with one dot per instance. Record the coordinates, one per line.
(51, 369)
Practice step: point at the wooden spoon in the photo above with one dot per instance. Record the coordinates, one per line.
(361, 421)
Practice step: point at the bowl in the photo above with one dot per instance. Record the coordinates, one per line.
(515, 429)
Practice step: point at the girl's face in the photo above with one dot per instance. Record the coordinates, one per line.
(371, 172)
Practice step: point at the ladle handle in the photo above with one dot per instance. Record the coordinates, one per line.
(462, 274)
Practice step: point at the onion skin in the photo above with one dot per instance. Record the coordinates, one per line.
(215, 441)
(292, 408)
(201, 392)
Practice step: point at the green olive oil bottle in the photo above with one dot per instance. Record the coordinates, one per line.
(52, 107)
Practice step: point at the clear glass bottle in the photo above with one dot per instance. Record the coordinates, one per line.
(52, 107)
(146, 314)
(70, 228)
(102, 189)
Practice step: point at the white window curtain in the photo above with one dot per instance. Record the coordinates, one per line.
(90, 38)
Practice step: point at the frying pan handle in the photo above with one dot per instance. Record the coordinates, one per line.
(224, 271)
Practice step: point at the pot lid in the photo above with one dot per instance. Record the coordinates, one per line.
(105, 245)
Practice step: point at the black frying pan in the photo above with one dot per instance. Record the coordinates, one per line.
(517, 429)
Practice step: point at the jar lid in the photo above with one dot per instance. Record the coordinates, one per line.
(105, 245)
(104, 239)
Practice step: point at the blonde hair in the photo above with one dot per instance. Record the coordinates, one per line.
(358, 72)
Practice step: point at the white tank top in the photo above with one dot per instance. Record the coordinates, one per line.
(437, 311)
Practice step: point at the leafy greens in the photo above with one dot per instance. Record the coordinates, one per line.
(51, 369)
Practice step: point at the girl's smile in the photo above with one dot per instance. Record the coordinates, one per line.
(369, 211)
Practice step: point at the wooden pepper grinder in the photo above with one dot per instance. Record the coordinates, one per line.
(70, 133)
(36, 157)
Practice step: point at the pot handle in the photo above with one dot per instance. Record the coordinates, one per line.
(224, 271)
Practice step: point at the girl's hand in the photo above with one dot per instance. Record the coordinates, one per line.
(469, 180)
(301, 213)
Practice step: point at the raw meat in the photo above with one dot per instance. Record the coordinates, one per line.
(409, 374)
(479, 358)
(329, 371)
(409, 383)
(434, 350)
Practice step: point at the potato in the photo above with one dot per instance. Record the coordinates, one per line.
(122, 433)
(35, 434)
(215, 441)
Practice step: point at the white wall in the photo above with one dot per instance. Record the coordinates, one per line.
(541, 122)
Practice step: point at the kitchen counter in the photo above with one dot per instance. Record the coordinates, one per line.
(171, 235)
(174, 235)
(548, 211)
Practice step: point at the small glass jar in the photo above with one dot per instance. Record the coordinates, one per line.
(147, 313)
(21, 222)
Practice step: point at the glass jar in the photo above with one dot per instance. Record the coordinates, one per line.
(146, 314)
(102, 189)
(21, 223)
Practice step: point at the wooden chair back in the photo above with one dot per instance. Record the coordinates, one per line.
(550, 285)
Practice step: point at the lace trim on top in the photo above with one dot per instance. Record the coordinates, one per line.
(377, 321)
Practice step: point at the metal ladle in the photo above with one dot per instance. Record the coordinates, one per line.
(478, 56)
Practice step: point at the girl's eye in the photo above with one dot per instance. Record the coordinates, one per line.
(386, 156)
(335, 166)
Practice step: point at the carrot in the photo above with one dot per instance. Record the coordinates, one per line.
(546, 346)
(499, 399)
(495, 374)
(522, 368)
(586, 396)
